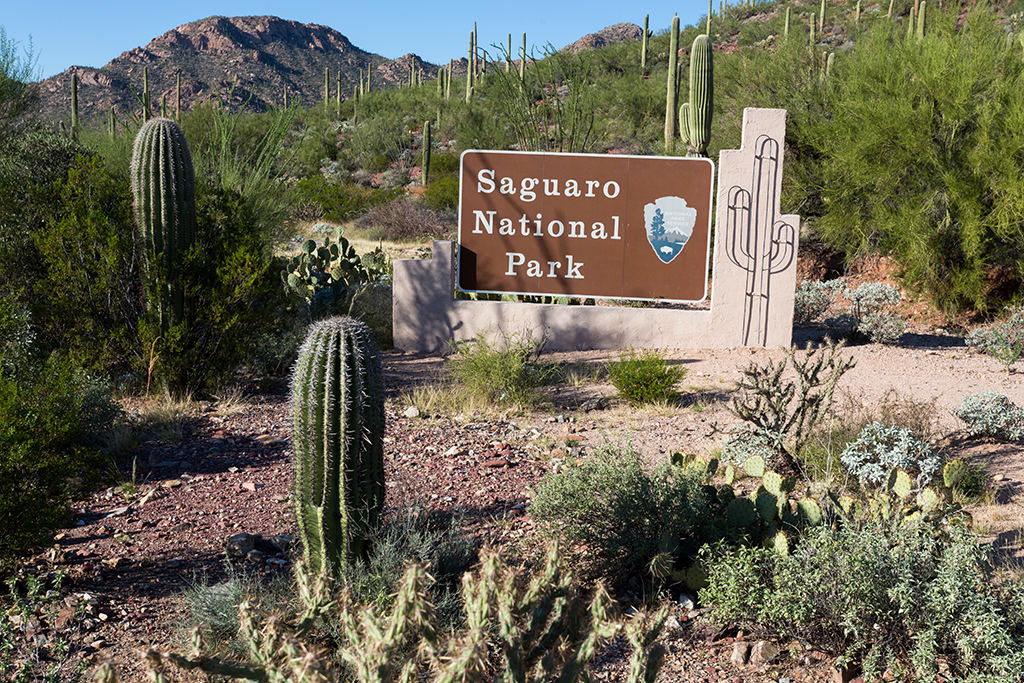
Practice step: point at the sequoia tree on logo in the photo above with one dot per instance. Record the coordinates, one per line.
(669, 226)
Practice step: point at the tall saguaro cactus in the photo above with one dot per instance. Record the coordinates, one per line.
(426, 152)
(75, 124)
(338, 434)
(643, 41)
(671, 99)
(164, 194)
(702, 90)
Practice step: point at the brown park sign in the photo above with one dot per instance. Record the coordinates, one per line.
(585, 225)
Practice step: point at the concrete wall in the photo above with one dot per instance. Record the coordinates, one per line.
(754, 277)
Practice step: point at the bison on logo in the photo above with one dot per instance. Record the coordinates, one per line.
(669, 224)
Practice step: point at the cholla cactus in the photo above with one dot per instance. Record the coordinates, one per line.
(164, 192)
(338, 434)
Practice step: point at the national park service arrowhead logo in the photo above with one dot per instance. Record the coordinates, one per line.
(669, 223)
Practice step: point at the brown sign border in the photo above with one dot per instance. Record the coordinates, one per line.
(650, 170)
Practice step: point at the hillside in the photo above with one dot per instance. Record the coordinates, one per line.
(259, 57)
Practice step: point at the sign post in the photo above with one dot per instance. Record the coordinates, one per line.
(585, 225)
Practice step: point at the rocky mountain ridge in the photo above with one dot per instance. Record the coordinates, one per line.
(252, 61)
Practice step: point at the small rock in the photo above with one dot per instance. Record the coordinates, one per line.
(249, 486)
(239, 545)
(672, 624)
(686, 601)
(495, 462)
(171, 483)
(232, 469)
(763, 651)
(176, 563)
(453, 451)
(411, 412)
(600, 403)
(116, 512)
(282, 542)
(256, 556)
(998, 477)
(740, 653)
(280, 497)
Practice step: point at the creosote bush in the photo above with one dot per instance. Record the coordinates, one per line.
(643, 377)
(623, 514)
(509, 372)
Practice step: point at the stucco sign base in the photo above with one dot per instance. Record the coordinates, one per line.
(752, 290)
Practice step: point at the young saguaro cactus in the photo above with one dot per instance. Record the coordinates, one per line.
(164, 194)
(702, 88)
(338, 434)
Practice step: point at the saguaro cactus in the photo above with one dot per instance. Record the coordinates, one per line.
(426, 152)
(643, 41)
(75, 125)
(164, 194)
(702, 88)
(671, 99)
(338, 434)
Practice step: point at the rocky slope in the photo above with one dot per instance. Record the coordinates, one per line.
(253, 61)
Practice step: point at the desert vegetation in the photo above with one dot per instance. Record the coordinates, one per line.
(167, 259)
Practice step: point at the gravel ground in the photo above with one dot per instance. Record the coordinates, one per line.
(231, 473)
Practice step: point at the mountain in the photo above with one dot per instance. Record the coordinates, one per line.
(253, 60)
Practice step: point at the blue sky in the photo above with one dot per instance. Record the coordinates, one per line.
(91, 34)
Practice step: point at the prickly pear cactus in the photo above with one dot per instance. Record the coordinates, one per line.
(338, 434)
(321, 275)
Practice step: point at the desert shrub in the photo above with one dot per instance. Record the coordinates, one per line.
(414, 536)
(405, 219)
(866, 314)
(965, 479)
(744, 443)
(40, 424)
(992, 415)
(342, 201)
(88, 299)
(1004, 340)
(508, 372)
(620, 512)
(17, 338)
(814, 298)
(881, 448)
(442, 194)
(884, 595)
(643, 377)
(234, 296)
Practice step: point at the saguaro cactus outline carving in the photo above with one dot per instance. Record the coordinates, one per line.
(758, 242)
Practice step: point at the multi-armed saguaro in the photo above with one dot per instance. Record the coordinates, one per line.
(164, 193)
(338, 435)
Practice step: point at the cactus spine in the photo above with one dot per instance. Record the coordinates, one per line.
(671, 99)
(338, 434)
(164, 192)
(702, 87)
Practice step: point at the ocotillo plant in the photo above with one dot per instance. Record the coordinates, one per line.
(164, 194)
(671, 100)
(702, 90)
(338, 434)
